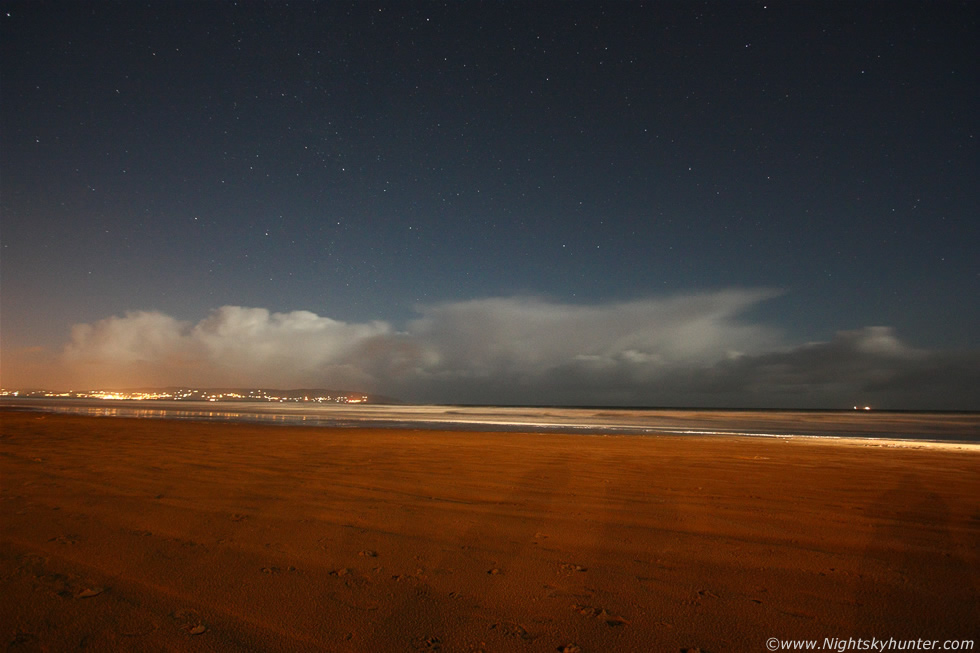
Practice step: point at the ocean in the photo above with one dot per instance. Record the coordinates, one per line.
(959, 427)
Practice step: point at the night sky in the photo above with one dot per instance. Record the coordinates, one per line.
(765, 204)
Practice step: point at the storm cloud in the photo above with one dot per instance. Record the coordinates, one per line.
(685, 350)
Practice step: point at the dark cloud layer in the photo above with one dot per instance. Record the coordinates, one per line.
(684, 350)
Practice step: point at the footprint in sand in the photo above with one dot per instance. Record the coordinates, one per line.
(700, 596)
(569, 568)
(89, 592)
(22, 640)
(427, 644)
(600, 613)
(510, 629)
(31, 563)
(67, 586)
(190, 622)
(349, 578)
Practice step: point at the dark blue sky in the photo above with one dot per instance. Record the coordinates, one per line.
(810, 168)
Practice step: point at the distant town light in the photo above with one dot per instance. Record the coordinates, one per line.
(192, 395)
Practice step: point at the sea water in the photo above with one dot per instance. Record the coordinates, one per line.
(891, 425)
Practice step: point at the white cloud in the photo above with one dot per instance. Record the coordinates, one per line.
(531, 336)
(232, 346)
(682, 350)
(136, 337)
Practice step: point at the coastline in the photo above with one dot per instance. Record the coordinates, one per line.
(883, 426)
(136, 534)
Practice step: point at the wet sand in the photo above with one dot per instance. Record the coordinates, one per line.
(156, 535)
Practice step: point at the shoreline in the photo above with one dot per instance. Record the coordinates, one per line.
(136, 534)
(882, 426)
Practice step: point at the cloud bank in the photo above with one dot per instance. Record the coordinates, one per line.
(686, 350)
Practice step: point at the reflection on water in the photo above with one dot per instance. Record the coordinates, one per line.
(954, 427)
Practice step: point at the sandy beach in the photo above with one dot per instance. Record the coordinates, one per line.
(157, 535)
